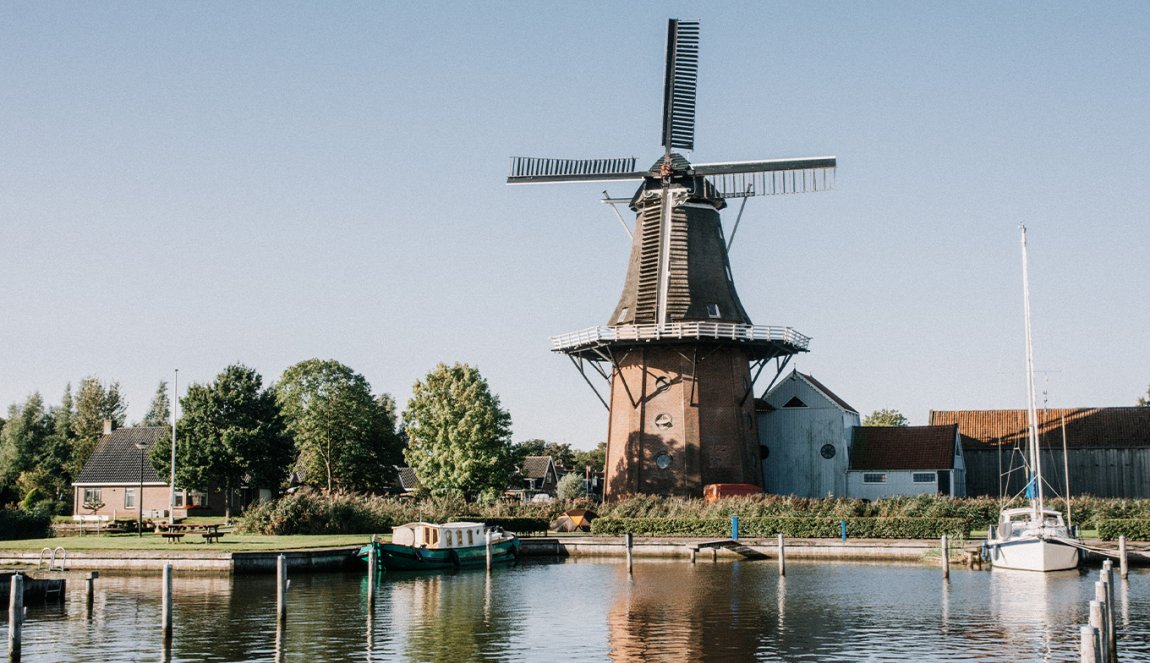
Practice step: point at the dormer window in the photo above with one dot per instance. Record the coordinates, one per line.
(713, 311)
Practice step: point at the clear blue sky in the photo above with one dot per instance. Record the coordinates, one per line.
(190, 185)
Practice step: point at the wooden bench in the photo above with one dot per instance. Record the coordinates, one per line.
(174, 537)
(209, 537)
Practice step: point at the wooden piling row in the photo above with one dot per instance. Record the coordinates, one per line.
(1098, 640)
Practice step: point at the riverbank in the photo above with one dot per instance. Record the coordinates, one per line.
(129, 554)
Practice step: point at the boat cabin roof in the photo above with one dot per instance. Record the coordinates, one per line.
(1011, 514)
(454, 525)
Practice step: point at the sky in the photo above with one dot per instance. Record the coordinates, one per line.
(189, 185)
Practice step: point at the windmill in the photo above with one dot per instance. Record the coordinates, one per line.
(679, 350)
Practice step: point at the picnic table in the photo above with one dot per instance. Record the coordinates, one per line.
(176, 532)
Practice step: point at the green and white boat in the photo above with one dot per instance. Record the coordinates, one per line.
(429, 546)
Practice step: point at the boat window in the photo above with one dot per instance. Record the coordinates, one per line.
(470, 537)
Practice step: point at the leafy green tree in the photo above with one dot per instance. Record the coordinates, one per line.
(458, 435)
(1144, 400)
(160, 411)
(94, 404)
(560, 452)
(22, 445)
(345, 436)
(231, 434)
(596, 458)
(885, 418)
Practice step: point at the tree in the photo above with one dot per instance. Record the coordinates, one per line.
(596, 458)
(22, 444)
(885, 418)
(1145, 400)
(345, 436)
(571, 486)
(560, 452)
(94, 404)
(458, 435)
(231, 434)
(159, 412)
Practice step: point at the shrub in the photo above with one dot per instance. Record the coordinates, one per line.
(21, 524)
(570, 487)
(1135, 529)
(800, 527)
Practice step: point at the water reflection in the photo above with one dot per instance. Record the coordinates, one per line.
(595, 611)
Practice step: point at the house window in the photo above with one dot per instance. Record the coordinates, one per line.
(923, 477)
(827, 451)
(129, 498)
(713, 311)
(179, 497)
(196, 499)
(874, 477)
(92, 496)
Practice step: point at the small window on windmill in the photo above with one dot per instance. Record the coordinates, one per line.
(622, 315)
(713, 311)
(795, 402)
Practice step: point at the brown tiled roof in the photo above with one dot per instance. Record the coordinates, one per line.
(407, 478)
(535, 467)
(903, 448)
(116, 460)
(1095, 427)
(828, 393)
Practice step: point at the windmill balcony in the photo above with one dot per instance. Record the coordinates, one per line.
(677, 332)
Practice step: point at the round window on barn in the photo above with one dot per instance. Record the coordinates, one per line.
(827, 451)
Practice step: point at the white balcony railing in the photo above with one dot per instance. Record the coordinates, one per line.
(679, 331)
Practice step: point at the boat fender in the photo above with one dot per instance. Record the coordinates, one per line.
(984, 552)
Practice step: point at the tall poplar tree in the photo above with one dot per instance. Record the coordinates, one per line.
(94, 404)
(459, 438)
(159, 412)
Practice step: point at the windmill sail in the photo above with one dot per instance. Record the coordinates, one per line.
(681, 79)
(767, 178)
(530, 170)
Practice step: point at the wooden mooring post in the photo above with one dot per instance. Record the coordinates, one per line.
(1122, 556)
(90, 590)
(629, 540)
(488, 542)
(281, 589)
(15, 616)
(945, 557)
(372, 573)
(1098, 621)
(782, 556)
(166, 609)
(1088, 645)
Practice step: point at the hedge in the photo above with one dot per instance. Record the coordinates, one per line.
(509, 523)
(1134, 529)
(20, 524)
(799, 527)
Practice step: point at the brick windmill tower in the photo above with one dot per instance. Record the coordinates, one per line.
(680, 352)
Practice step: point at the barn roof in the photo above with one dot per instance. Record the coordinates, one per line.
(1086, 428)
(116, 460)
(903, 448)
(828, 393)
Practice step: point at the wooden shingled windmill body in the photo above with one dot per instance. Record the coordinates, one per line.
(680, 352)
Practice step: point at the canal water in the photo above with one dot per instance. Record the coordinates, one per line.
(595, 611)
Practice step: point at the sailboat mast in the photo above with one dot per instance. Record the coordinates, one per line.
(1031, 412)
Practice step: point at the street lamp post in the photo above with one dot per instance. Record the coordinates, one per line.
(172, 482)
(140, 495)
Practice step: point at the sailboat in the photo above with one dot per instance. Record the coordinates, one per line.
(1031, 538)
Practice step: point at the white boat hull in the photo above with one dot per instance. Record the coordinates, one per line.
(1033, 554)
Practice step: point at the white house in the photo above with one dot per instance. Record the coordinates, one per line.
(804, 438)
(906, 460)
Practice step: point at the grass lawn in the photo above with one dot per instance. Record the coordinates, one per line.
(231, 542)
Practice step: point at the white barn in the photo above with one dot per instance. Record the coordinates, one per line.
(804, 437)
(906, 460)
